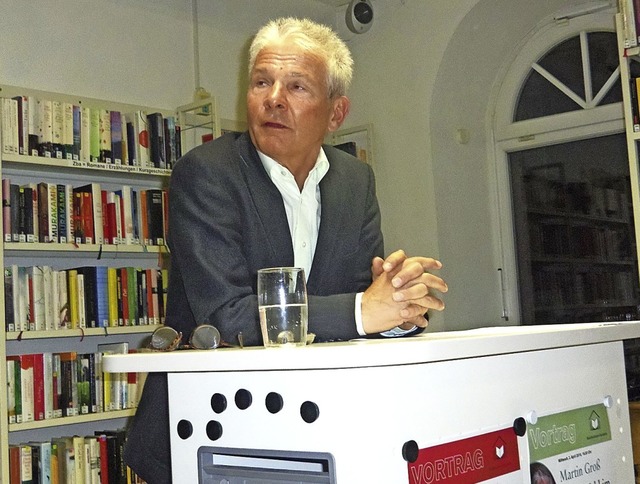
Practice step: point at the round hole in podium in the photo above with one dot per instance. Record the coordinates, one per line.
(214, 430)
(218, 402)
(243, 399)
(309, 412)
(185, 429)
(274, 402)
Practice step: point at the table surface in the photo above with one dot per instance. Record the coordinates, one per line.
(425, 348)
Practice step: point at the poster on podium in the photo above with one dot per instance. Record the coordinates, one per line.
(487, 457)
(572, 446)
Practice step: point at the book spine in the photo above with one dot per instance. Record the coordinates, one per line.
(116, 136)
(127, 215)
(68, 200)
(82, 312)
(21, 295)
(84, 384)
(52, 190)
(9, 108)
(157, 148)
(85, 135)
(48, 297)
(45, 127)
(9, 303)
(112, 289)
(58, 129)
(11, 390)
(170, 141)
(132, 295)
(14, 464)
(23, 124)
(43, 213)
(26, 465)
(131, 141)
(68, 131)
(76, 147)
(32, 122)
(105, 136)
(95, 135)
(26, 386)
(155, 216)
(57, 385)
(124, 296)
(142, 136)
(47, 365)
(63, 300)
(14, 201)
(155, 300)
(102, 297)
(61, 204)
(17, 388)
(72, 275)
(37, 299)
(38, 386)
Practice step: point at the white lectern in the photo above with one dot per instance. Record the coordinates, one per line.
(487, 405)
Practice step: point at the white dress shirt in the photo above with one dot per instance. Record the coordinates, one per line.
(303, 209)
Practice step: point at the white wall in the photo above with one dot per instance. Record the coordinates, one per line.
(464, 174)
(134, 51)
(424, 69)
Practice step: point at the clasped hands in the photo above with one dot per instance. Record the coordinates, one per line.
(400, 292)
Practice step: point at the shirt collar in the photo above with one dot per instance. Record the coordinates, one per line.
(316, 174)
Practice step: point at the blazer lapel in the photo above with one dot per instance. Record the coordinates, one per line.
(332, 193)
(268, 204)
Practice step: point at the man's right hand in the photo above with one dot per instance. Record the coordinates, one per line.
(400, 292)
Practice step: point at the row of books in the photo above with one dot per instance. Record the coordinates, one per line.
(576, 197)
(91, 459)
(634, 90)
(630, 11)
(63, 130)
(86, 214)
(559, 288)
(580, 241)
(44, 386)
(39, 298)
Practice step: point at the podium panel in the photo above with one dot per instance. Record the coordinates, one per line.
(498, 405)
(362, 417)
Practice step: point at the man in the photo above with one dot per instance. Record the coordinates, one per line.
(275, 196)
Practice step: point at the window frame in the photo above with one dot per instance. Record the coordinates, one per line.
(509, 136)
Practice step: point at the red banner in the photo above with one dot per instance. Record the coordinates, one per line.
(467, 461)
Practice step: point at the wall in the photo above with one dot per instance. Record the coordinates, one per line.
(463, 99)
(133, 51)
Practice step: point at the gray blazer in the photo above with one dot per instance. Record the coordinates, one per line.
(226, 221)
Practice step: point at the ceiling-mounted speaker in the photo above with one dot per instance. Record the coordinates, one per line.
(359, 16)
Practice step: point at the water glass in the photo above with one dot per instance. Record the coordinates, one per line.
(282, 304)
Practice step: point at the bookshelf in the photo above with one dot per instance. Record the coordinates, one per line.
(118, 250)
(627, 56)
(574, 244)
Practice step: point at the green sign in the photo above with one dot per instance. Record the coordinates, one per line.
(564, 432)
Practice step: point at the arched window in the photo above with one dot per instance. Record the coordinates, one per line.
(579, 73)
(565, 197)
